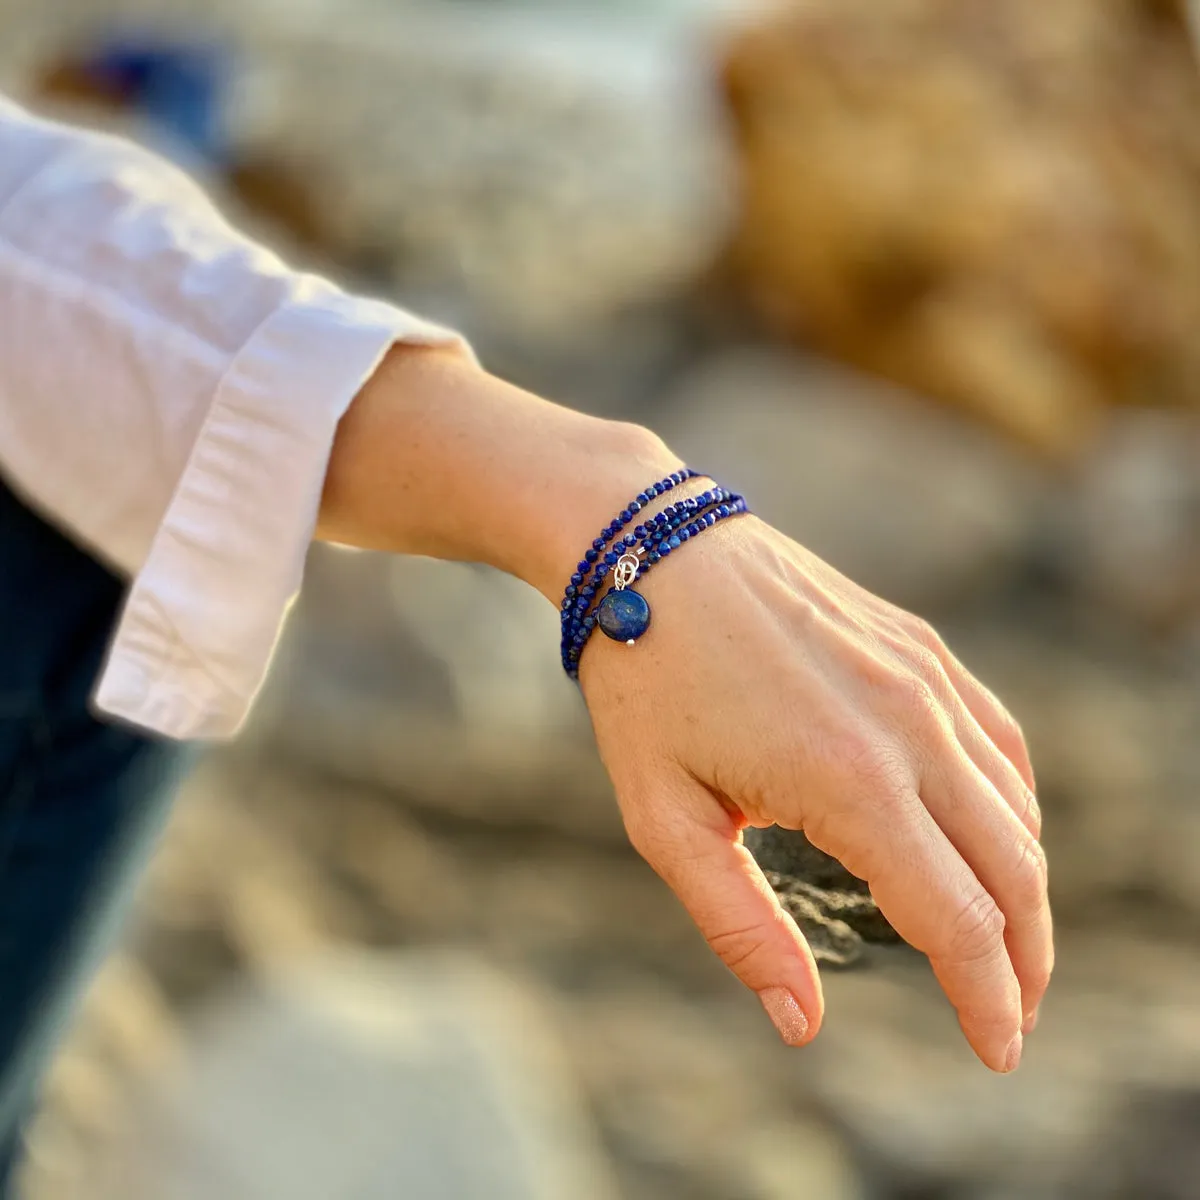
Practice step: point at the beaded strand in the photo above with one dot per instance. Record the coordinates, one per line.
(658, 538)
(580, 600)
(580, 589)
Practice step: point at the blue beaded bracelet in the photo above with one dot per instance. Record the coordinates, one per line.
(623, 614)
(579, 596)
(580, 590)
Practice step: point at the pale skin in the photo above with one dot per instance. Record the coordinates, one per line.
(769, 690)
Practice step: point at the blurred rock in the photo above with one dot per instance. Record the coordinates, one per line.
(125, 1036)
(835, 911)
(911, 502)
(1130, 522)
(785, 1161)
(692, 1093)
(962, 197)
(1116, 748)
(442, 681)
(915, 1101)
(532, 173)
(1152, 1152)
(422, 1076)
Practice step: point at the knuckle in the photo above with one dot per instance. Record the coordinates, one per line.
(1036, 981)
(917, 699)
(976, 931)
(1031, 812)
(927, 665)
(925, 635)
(1032, 873)
(874, 766)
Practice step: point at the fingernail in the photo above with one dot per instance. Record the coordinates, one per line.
(1030, 1022)
(786, 1015)
(1013, 1058)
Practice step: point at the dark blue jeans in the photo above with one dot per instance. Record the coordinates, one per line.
(81, 800)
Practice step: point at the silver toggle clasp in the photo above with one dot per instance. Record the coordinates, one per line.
(625, 571)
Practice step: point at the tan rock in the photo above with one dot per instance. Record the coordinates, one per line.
(968, 199)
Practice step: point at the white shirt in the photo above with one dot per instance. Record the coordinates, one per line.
(169, 393)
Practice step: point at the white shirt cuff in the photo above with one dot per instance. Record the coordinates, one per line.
(204, 614)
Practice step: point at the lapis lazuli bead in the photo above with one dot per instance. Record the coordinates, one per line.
(630, 539)
(611, 557)
(636, 506)
(592, 555)
(673, 541)
(623, 615)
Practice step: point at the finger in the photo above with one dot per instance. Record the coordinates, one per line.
(1006, 859)
(934, 901)
(993, 718)
(694, 845)
(986, 731)
(998, 769)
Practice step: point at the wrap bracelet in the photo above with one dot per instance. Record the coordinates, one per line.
(623, 614)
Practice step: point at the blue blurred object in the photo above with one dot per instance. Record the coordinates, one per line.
(177, 85)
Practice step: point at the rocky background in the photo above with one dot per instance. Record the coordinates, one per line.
(394, 934)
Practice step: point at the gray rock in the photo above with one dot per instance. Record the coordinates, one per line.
(529, 171)
(893, 1069)
(364, 1078)
(1130, 524)
(1151, 1151)
(442, 682)
(910, 501)
(694, 1094)
(834, 909)
(1116, 748)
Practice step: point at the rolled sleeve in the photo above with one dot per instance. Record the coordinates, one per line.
(204, 614)
(169, 396)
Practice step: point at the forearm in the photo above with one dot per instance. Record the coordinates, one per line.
(437, 457)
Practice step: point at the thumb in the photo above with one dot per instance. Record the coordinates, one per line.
(693, 844)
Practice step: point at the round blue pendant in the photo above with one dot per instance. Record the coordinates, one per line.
(623, 615)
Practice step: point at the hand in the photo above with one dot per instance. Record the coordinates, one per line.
(772, 690)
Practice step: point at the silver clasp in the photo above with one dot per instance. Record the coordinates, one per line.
(625, 571)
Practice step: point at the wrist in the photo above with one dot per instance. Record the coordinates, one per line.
(437, 457)
(595, 479)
